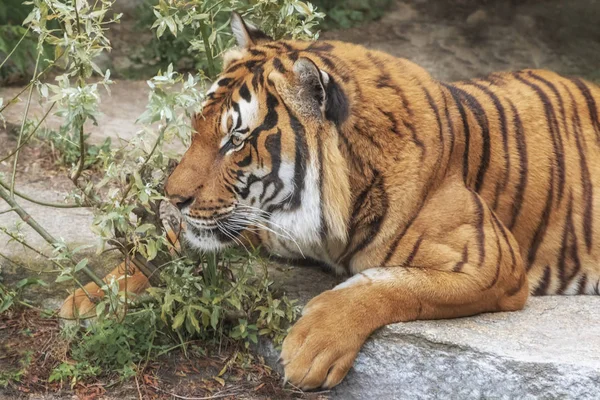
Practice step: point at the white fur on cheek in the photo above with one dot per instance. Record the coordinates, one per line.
(303, 223)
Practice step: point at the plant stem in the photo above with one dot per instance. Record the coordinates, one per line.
(146, 160)
(41, 203)
(41, 231)
(30, 135)
(15, 48)
(212, 71)
(14, 171)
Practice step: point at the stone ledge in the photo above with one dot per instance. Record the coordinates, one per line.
(550, 350)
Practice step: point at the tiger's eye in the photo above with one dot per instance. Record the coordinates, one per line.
(236, 140)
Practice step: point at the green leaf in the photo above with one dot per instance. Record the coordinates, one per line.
(63, 278)
(178, 320)
(80, 265)
(214, 318)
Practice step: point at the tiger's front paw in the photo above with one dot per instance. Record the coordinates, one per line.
(322, 345)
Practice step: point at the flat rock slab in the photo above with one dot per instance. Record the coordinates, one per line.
(550, 350)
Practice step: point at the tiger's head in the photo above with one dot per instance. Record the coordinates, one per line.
(264, 154)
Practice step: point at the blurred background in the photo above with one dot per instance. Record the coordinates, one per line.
(453, 39)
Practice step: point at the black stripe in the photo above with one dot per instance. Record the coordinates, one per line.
(273, 147)
(505, 237)
(553, 127)
(300, 161)
(561, 104)
(399, 237)
(465, 259)
(413, 252)
(542, 288)
(438, 120)
(479, 113)
(385, 81)
(569, 263)
(245, 93)
(498, 259)
(318, 47)
(322, 205)
(540, 231)
(393, 121)
(278, 65)
(582, 284)
(504, 132)
(366, 221)
(586, 181)
(450, 125)
(591, 103)
(463, 116)
(523, 167)
(480, 213)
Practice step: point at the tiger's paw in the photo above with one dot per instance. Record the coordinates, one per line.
(82, 303)
(321, 347)
(79, 305)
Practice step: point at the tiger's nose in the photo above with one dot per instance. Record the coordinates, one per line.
(181, 202)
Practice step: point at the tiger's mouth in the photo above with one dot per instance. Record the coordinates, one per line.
(213, 234)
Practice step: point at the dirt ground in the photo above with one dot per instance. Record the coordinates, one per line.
(454, 39)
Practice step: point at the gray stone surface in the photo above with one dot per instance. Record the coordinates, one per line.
(550, 350)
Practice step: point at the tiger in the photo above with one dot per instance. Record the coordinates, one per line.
(439, 200)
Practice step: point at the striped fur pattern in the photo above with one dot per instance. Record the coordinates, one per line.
(442, 199)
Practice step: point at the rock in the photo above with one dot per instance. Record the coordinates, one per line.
(550, 350)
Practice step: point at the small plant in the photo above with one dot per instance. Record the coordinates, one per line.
(65, 149)
(11, 296)
(223, 297)
(112, 347)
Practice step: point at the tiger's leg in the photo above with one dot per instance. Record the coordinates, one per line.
(454, 263)
(79, 304)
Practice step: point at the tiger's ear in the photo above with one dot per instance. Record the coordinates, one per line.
(246, 35)
(322, 89)
(312, 80)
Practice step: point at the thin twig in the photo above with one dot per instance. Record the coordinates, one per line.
(10, 260)
(146, 160)
(30, 135)
(15, 48)
(138, 388)
(216, 396)
(14, 171)
(42, 203)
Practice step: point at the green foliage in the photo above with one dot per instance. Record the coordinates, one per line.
(228, 297)
(73, 372)
(348, 13)
(111, 346)
(65, 148)
(10, 296)
(16, 375)
(12, 14)
(194, 33)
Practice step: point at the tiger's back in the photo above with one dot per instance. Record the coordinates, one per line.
(534, 146)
